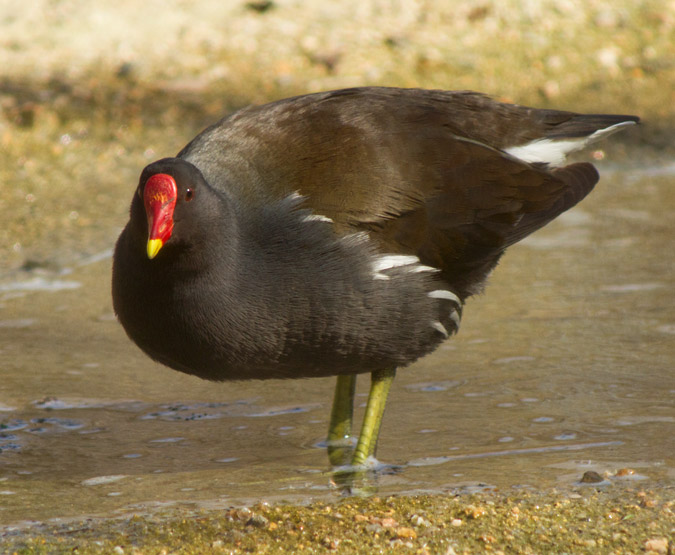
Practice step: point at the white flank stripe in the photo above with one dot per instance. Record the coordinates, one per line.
(440, 327)
(444, 294)
(554, 151)
(409, 263)
(422, 268)
(316, 218)
(390, 261)
(546, 150)
(393, 261)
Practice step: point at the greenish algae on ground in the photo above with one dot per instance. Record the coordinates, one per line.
(587, 520)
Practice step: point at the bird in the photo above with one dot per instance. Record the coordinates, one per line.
(339, 233)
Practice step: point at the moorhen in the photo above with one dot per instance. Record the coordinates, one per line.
(338, 233)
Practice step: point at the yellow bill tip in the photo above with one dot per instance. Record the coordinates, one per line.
(153, 247)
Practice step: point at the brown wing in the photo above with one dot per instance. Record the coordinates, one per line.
(403, 165)
(488, 203)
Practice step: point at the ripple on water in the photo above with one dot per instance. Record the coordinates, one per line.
(543, 419)
(13, 425)
(428, 461)
(53, 403)
(276, 411)
(168, 440)
(100, 480)
(637, 420)
(434, 386)
(586, 472)
(38, 283)
(9, 443)
(632, 287)
(13, 442)
(186, 412)
(42, 425)
(209, 411)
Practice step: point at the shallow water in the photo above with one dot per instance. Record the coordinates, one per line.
(566, 364)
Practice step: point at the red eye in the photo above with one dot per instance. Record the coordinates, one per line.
(189, 193)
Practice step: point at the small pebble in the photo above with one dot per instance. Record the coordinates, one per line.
(591, 477)
(475, 512)
(418, 520)
(259, 521)
(657, 545)
(405, 532)
(400, 543)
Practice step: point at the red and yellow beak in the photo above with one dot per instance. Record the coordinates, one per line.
(159, 198)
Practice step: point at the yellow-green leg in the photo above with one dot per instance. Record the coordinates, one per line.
(380, 384)
(340, 446)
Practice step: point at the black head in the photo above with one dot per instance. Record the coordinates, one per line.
(179, 207)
